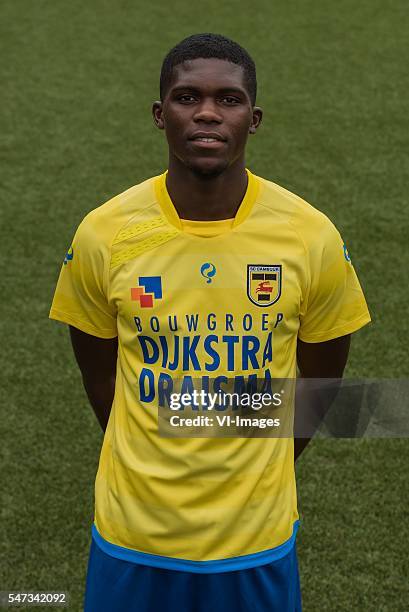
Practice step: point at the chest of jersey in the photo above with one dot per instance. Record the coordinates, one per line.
(211, 305)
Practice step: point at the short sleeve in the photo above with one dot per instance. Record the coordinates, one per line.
(335, 304)
(81, 295)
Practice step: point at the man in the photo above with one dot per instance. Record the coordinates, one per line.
(207, 272)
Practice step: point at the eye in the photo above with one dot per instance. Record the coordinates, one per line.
(230, 100)
(186, 98)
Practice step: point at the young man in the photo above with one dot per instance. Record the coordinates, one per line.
(206, 271)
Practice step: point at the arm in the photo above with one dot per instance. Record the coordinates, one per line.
(96, 358)
(316, 360)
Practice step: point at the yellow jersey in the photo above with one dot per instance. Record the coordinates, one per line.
(189, 300)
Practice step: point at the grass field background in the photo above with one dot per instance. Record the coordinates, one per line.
(78, 80)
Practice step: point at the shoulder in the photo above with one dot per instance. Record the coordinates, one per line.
(312, 225)
(102, 224)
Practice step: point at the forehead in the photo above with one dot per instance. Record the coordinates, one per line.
(211, 73)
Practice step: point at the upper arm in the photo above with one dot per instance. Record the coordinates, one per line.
(323, 359)
(333, 304)
(96, 357)
(82, 297)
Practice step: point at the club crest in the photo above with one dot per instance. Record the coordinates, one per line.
(264, 284)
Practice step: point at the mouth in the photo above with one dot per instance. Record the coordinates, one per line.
(207, 139)
(207, 143)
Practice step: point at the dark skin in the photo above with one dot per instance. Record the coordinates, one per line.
(317, 360)
(206, 182)
(96, 358)
(209, 95)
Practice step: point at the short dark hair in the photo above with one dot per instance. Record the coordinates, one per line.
(209, 46)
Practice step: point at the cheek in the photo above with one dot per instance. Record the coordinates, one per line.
(176, 122)
(241, 124)
(242, 132)
(175, 132)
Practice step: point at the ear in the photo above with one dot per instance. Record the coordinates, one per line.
(256, 119)
(157, 114)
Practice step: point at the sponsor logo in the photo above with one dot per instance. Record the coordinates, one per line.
(208, 270)
(264, 284)
(149, 289)
(69, 255)
(346, 254)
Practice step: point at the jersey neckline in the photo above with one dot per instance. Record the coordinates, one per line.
(206, 228)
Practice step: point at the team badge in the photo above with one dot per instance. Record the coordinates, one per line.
(150, 288)
(264, 284)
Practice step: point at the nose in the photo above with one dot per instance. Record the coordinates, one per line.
(208, 112)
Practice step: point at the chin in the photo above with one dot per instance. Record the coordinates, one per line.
(207, 168)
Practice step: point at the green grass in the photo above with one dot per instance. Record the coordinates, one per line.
(78, 80)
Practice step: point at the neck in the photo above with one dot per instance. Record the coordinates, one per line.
(206, 198)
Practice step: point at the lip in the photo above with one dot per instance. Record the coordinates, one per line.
(215, 135)
(200, 144)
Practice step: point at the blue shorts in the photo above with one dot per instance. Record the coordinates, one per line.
(115, 585)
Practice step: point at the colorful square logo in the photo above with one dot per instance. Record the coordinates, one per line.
(149, 289)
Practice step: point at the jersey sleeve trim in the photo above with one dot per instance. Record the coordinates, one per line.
(337, 332)
(84, 326)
